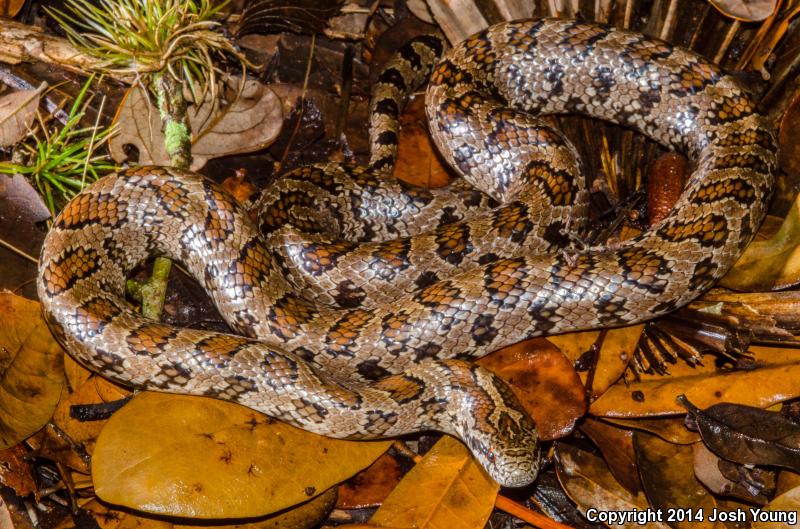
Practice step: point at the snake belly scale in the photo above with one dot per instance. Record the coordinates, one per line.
(360, 300)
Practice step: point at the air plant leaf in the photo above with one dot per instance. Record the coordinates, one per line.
(179, 38)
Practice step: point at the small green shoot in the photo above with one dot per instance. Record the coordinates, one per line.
(62, 161)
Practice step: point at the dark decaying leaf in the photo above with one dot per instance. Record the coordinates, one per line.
(17, 110)
(616, 445)
(747, 435)
(586, 479)
(724, 478)
(669, 482)
(298, 16)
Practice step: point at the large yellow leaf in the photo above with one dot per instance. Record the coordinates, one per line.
(203, 458)
(303, 516)
(706, 385)
(447, 489)
(31, 369)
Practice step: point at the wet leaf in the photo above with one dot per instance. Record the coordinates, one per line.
(615, 354)
(781, 507)
(31, 369)
(371, 486)
(16, 471)
(147, 458)
(770, 264)
(447, 489)
(669, 481)
(751, 485)
(587, 480)
(748, 435)
(705, 385)
(545, 383)
(616, 445)
(575, 344)
(745, 10)
(250, 123)
(672, 430)
(297, 16)
(17, 111)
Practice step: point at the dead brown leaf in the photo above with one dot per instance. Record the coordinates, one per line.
(667, 472)
(751, 485)
(31, 369)
(587, 480)
(545, 383)
(747, 435)
(447, 489)
(781, 508)
(616, 445)
(16, 472)
(17, 110)
(250, 123)
(371, 486)
(745, 10)
(147, 458)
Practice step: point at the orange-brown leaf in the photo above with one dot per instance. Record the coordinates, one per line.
(545, 383)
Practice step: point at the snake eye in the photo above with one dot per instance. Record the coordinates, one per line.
(489, 454)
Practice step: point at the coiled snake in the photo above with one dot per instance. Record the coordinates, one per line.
(359, 298)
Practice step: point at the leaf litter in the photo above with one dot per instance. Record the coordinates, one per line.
(622, 442)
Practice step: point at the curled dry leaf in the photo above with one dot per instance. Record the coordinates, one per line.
(303, 516)
(17, 111)
(447, 489)
(748, 435)
(724, 478)
(781, 507)
(616, 445)
(31, 370)
(146, 458)
(251, 122)
(587, 480)
(655, 395)
(745, 10)
(575, 344)
(669, 482)
(545, 383)
(771, 264)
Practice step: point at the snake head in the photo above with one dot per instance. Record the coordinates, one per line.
(500, 434)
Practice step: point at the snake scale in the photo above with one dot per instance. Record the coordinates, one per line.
(359, 300)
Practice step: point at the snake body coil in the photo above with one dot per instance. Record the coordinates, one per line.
(359, 297)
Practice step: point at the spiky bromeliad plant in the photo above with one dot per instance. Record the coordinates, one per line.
(168, 45)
